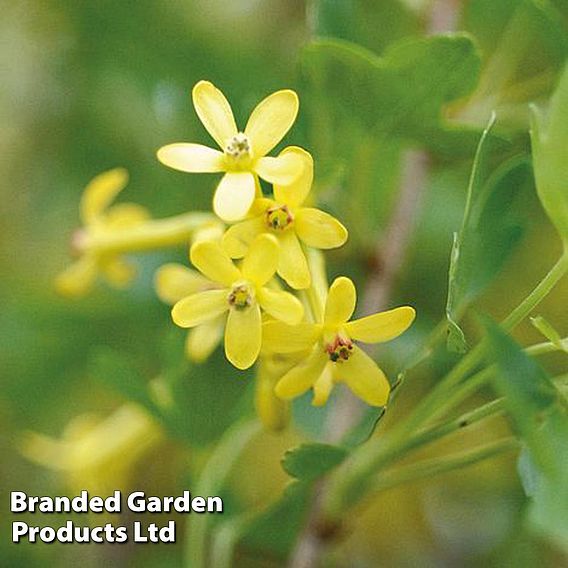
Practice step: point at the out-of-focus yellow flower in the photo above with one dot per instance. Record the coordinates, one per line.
(273, 411)
(173, 282)
(244, 153)
(97, 455)
(241, 292)
(286, 218)
(334, 357)
(100, 220)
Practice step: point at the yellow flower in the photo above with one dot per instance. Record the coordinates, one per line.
(244, 153)
(241, 292)
(334, 357)
(97, 455)
(173, 282)
(100, 220)
(285, 218)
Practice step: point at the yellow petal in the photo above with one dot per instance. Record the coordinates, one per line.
(118, 271)
(202, 340)
(280, 337)
(273, 412)
(323, 387)
(201, 307)
(295, 193)
(243, 336)
(292, 263)
(362, 375)
(214, 111)
(174, 282)
(78, 279)
(281, 305)
(260, 262)
(270, 121)
(210, 259)
(284, 169)
(125, 216)
(341, 301)
(303, 376)
(193, 158)
(318, 229)
(381, 327)
(100, 193)
(238, 238)
(234, 196)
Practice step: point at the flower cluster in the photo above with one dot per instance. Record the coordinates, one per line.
(258, 283)
(301, 344)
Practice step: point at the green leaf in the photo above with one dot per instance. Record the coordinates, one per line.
(276, 529)
(310, 461)
(549, 136)
(400, 94)
(364, 429)
(491, 228)
(540, 416)
(358, 21)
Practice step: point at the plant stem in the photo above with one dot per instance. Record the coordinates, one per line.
(428, 468)
(153, 234)
(538, 294)
(211, 480)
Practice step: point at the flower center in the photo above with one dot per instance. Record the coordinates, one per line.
(238, 148)
(340, 349)
(241, 296)
(278, 218)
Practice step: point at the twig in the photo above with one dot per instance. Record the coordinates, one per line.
(391, 251)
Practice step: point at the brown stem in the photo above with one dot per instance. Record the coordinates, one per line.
(348, 410)
(391, 250)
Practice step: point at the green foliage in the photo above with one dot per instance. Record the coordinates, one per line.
(400, 94)
(358, 21)
(539, 414)
(549, 137)
(491, 228)
(310, 461)
(545, 327)
(276, 529)
(113, 369)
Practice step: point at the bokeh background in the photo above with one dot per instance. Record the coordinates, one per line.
(87, 86)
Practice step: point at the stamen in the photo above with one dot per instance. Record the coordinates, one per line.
(340, 349)
(278, 218)
(238, 147)
(241, 296)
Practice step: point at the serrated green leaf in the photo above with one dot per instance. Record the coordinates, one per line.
(491, 228)
(310, 461)
(539, 415)
(549, 136)
(402, 93)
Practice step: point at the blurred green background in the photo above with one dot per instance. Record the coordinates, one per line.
(87, 86)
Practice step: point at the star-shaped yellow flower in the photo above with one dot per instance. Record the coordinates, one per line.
(287, 219)
(173, 282)
(244, 153)
(242, 292)
(334, 357)
(100, 220)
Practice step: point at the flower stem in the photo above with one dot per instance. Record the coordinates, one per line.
(429, 468)
(211, 480)
(153, 234)
(347, 488)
